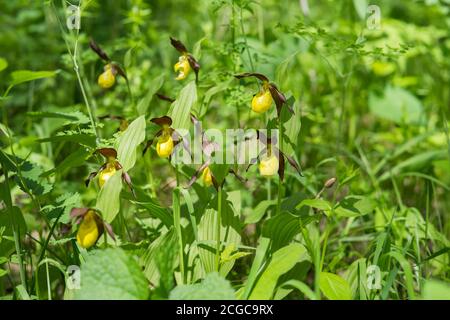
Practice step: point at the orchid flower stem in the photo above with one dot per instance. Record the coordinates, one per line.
(177, 224)
(74, 57)
(130, 94)
(280, 182)
(219, 218)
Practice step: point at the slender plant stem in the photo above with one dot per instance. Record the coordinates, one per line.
(219, 222)
(74, 57)
(280, 182)
(177, 224)
(49, 290)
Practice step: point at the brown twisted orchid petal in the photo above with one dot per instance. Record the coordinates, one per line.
(239, 177)
(254, 160)
(252, 74)
(117, 69)
(109, 230)
(178, 45)
(99, 51)
(92, 175)
(290, 159)
(164, 120)
(194, 65)
(279, 98)
(197, 173)
(281, 164)
(147, 146)
(78, 212)
(165, 98)
(294, 164)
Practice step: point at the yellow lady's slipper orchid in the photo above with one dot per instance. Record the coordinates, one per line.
(182, 67)
(89, 230)
(207, 176)
(106, 173)
(262, 101)
(164, 147)
(268, 166)
(107, 79)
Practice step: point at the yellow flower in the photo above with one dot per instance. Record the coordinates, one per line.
(107, 79)
(207, 176)
(268, 166)
(89, 230)
(164, 147)
(106, 173)
(182, 67)
(262, 101)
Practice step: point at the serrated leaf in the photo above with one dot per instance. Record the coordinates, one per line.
(74, 117)
(127, 144)
(72, 136)
(111, 274)
(334, 287)
(281, 262)
(108, 200)
(213, 287)
(30, 178)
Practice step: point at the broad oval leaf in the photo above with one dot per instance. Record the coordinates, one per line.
(214, 287)
(108, 200)
(111, 274)
(334, 287)
(22, 76)
(128, 142)
(181, 108)
(282, 261)
(398, 105)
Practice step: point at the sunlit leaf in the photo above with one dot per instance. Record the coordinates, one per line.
(108, 200)
(111, 274)
(128, 142)
(281, 262)
(334, 287)
(22, 76)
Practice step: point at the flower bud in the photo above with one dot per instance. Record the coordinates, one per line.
(329, 183)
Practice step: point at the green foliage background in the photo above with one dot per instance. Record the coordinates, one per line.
(372, 110)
